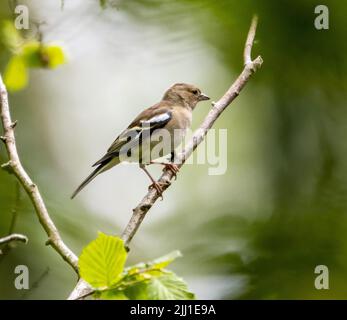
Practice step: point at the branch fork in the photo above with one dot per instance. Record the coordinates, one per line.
(14, 166)
(54, 239)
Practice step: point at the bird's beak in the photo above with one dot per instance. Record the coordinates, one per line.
(203, 97)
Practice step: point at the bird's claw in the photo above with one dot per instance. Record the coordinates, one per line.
(158, 188)
(173, 168)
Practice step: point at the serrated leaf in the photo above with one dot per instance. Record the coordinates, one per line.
(167, 286)
(137, 292)
(102, 261)
(16, 74)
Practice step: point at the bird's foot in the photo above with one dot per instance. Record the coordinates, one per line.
(173, 168)
(157, 186)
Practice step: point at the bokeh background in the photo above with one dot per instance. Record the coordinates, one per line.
(259, 230)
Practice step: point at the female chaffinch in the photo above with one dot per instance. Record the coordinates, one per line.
(172, 114)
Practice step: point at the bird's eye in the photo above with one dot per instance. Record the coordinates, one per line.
(195, 92)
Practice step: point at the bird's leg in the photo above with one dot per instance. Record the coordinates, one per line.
(170, 166)
(172, 156)
(154, 184)
(173, 168)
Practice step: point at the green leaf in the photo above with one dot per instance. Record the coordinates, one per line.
(10, 36)
(102, 261)
(53, 55)
(111, 295)
(16, 75)
(31, 53)
(159, 263)
(167, 286)
(37, 55)
(137, 292)
(164, 261)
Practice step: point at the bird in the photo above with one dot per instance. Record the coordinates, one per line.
(171, 115)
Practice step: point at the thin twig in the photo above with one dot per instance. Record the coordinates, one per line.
(139, 213)
(14, 237)
(249, 42)
(15, 166)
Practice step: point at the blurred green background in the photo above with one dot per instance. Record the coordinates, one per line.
(259, 230)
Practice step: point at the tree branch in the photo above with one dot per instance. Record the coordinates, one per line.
(147, 202)
(139, 213)
(14, 166)
(14, 237)
(247, 59)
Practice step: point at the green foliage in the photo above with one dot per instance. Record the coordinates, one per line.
(10, 37)
(102, 261)
(163, 286)
(110, 295)
(163, 261)
(101, 264)
(54, 55)
(168, 287)
(26, 54)
(16, 75)
(31, 54)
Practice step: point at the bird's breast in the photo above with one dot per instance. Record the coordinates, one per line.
(181, 119)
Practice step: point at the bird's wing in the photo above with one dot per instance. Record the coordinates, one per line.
(155, 117)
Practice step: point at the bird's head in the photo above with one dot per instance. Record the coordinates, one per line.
(185, 94)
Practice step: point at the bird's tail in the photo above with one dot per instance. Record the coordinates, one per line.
(98, 170)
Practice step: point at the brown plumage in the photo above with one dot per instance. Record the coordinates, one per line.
(172, 113)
